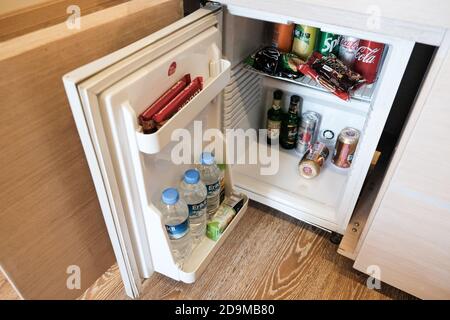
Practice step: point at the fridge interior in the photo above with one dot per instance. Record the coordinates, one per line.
(324, 200)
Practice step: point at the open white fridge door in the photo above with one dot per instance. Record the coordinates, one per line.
(130, 168)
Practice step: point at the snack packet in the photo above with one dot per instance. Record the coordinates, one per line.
(332, 74)
(266, 60)
(288, 66)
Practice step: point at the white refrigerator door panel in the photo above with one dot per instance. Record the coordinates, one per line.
(84, 87)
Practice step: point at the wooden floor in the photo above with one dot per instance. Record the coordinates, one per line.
(7, 292)
(268, 256)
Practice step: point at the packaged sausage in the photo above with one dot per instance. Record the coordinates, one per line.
(146, 117)
(179, 101)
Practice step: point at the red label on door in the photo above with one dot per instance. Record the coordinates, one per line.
(172, 68)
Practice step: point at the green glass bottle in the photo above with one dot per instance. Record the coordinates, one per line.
(274, 117)
(289, 125)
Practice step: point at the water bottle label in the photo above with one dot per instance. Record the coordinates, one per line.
(195, 210)
(214, 187)
(178, 231)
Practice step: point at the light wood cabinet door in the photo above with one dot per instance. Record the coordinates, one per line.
(50, 218)
(408, 238)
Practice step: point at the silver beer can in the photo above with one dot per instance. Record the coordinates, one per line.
(347, 50)
(307, 131)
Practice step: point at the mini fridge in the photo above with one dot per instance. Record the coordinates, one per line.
(130, 169)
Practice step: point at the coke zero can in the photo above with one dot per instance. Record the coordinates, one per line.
(367, 59)
(347, 50)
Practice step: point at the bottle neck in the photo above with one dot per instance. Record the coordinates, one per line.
(276, 104)
(293, 108)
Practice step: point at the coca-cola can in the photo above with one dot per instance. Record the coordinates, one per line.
(347, 50)
(368, 58)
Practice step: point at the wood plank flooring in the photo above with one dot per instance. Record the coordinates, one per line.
(7, 292)
(268, 256)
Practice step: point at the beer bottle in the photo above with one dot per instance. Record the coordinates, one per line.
(289, 125)
(274, 116)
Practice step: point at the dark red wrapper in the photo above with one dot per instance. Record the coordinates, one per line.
(335, 88)
(146, 117)
(179, 101)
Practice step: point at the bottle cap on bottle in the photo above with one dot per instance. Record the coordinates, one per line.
(207, 158)
(191, 176)
(170, 196)
(277, 94)
(295, 99)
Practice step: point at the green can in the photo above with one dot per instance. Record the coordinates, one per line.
(305, 38)
(328, 43)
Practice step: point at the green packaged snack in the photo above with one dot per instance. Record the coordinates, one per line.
(288, 66)
(224, 215)
(219, 222)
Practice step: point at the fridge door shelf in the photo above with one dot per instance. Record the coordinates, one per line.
(155, 142)
(200, 257)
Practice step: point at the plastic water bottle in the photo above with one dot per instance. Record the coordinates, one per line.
(193, 191)
(210, 174)
(176, 220)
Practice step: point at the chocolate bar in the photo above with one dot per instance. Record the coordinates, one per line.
(146, 117)
(179, 101)
(332, 74)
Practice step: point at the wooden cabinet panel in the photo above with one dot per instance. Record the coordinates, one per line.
(409, 235)
(20, 17)
(49, 213)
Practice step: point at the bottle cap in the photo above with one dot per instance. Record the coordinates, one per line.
(191, 176)
(277, 94)
(170, 196)
(207, 158)
(295, 99)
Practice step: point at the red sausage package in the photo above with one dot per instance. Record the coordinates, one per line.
(146, 117)
(178, 102)
(332, 74)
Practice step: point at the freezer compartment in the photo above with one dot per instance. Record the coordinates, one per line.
(219, 78)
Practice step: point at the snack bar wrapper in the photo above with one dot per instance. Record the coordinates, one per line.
(266, 60)
(179, 101)
(332, 74)
(146, 117)
(288, 66)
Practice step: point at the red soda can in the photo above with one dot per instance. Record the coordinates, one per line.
(368, 58)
